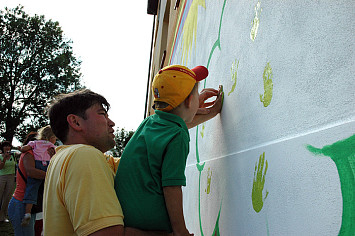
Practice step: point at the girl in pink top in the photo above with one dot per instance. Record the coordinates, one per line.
(46, 139)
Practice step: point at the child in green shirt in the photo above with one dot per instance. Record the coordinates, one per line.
(152, 168)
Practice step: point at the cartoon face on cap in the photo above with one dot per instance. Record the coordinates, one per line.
(156, 93)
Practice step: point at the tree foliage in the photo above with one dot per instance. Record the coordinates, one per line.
(36, 63)
(121, 137)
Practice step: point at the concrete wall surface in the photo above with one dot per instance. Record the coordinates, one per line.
(280, 158)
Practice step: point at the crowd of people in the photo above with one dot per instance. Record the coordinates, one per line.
(87, 192)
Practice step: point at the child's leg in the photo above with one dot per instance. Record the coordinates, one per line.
(32, 186)
(30, 198)
(31, 194)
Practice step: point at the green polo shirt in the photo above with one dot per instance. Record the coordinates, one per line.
(155, 157)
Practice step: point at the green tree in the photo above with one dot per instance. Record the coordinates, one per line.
(121, 137)
(36, 63)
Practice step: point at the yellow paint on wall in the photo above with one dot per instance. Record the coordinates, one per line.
(268, 86)
(203, 130)
(234, 71)
(190, 29)
(209, 177)
(256, 21)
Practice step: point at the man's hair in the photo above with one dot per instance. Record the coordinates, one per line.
(75, 103)
(45, 133)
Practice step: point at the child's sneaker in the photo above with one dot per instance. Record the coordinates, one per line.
(26, 219)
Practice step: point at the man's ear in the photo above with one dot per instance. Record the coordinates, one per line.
(74, 121)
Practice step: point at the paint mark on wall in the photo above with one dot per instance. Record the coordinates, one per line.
(343, 155)
(258, 184)
(203, 130)
(234, 71)
(216, 227)
(256, 21)
(218, 41)
(268, 86)
(190, 29)
(199, 165)
(209, 177)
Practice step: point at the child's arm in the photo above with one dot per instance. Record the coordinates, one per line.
(173, 201)
(25, 148)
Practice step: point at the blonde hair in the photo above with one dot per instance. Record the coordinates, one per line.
(45, 133)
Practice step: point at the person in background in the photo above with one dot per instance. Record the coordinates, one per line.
(45, 140)
(151, 172)
(26, 168)
(7, 178)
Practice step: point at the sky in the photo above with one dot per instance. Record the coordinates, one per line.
(112, 38)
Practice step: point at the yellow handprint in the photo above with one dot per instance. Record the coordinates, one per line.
(203, 130)
(255, 22)
(258, 184)
(268, 85)
(234, 71)
(209, 176)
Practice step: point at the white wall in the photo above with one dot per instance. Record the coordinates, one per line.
(309, 48)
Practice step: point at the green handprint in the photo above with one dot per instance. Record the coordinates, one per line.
(234, 71)
(258, 184)
(268, 85)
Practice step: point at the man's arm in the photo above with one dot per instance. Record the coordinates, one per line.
(205, 114)
(128, 231)
(173, 201)
(116, 230)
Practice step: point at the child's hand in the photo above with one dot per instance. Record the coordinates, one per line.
(205, 107)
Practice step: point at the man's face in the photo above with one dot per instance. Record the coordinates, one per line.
(98, 128)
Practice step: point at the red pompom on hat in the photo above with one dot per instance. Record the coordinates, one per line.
(201, 72)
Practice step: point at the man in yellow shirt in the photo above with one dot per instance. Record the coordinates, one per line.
(79, 197)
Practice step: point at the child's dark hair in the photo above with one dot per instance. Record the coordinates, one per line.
(75, 103)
